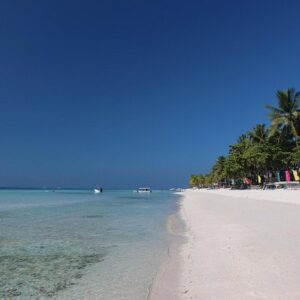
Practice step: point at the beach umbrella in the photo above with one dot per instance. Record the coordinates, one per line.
(278, 176)
(287, 176)
(296, 176)
(259, 179)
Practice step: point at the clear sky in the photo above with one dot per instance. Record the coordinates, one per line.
(130, 93)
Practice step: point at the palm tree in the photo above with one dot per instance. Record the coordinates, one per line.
(194, 181)
(217, 171)
(259, 134)
(286, 118)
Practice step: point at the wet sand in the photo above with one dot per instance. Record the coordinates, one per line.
(165, 284)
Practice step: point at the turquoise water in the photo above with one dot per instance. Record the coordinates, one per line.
(74, 244)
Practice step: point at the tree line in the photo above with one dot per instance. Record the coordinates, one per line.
(263, 154)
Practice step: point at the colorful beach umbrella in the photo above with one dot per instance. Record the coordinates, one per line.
(296, 176)
(259, 179)
(278, 176)
(287, 176)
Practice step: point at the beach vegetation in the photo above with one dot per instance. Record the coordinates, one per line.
(263, 154)
(285, 117)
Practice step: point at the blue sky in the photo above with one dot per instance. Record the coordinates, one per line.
(129, 93)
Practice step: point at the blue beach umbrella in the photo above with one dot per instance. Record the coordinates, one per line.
(278, 176)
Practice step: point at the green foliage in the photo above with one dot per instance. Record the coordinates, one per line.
(295, 157)
(217, 173)
(262, 150)
(285, 117)
(200, 181)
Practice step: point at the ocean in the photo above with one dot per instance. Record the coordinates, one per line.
(74, 244)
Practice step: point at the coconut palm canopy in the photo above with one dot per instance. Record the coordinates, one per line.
(262, 150)
(285, 117)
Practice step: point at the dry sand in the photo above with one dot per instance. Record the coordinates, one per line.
(239, 245)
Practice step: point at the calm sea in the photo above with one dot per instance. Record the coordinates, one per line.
(74, 244)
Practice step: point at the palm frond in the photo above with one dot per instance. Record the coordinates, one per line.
(275, 109)
(294, 131)
(273, 129)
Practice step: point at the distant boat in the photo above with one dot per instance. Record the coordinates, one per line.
(97, 191)
(144, 190)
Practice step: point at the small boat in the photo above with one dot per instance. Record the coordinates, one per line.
(144, 190)
(97, 191)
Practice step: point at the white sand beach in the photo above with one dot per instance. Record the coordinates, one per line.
(239, 245)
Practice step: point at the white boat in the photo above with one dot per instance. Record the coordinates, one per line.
(97, 191)
(144, 190)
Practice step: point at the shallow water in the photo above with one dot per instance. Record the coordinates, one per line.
(77, 244)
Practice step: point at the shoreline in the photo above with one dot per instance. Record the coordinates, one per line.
(165, 283)
(236, 245)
